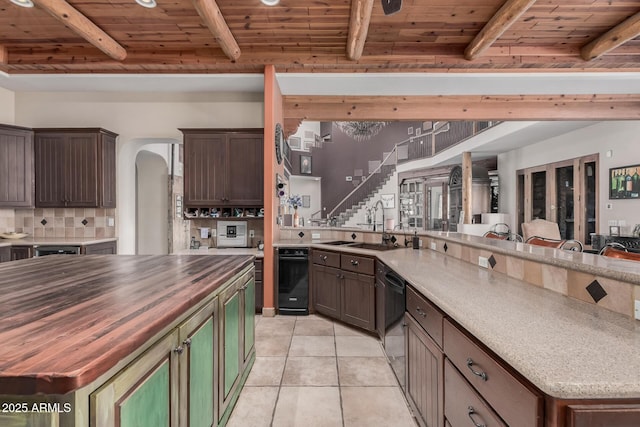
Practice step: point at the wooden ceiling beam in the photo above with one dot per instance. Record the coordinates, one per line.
(81, 25)
(212, 17)
(497, 25)
(616, 36)
(463, 107)
(358, 27)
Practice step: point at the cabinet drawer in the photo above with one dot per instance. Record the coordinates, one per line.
(516, 403)
(357, 264)
(330, 259)
(462, 405)
(427, 315)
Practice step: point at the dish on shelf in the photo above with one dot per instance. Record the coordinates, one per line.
(13, 235)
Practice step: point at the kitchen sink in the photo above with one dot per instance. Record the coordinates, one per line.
(373, 246)
(339, 243)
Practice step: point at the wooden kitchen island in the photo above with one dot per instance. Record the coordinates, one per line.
(124, 340)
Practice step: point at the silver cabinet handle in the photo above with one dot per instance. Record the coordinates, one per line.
(187, 343)
(354, 262)
(482, 375)
(421, 312)
(324, 257)
(178, 350)
(471, 413)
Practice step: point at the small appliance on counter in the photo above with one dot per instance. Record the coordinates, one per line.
(232, 234)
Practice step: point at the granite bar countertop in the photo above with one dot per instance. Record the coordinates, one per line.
(222, 251)
(565, 347)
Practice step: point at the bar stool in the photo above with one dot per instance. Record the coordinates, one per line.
(567, 245)
(616, 250)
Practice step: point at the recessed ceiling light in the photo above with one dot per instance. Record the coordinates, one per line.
(270, 2)
(23, 3)
(147, 3)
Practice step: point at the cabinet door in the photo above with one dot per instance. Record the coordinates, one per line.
(50, 170)
(326, 290)
(198, 396)
(358, 300)
(205, 169)
(425, 375)
(249, 307)
(144, 393)
(16, 167)
(105, 248)
(107, 182)
(21, 252)
(5, 254)
(245, 185)
(230, 359)
(81, 168)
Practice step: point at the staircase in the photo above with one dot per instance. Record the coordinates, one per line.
(365, 191)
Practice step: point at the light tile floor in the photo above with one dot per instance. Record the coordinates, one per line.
(313, 372)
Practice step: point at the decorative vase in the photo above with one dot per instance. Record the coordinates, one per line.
(295, 216)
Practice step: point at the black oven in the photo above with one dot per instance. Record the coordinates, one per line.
(390, 308)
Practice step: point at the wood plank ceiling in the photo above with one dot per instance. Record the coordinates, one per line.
(319, 35)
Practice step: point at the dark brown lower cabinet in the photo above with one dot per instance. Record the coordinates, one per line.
(357, 300)
(618, 415)
(5, 253)
(104, 248)
(463, 406)
(21, 252)
(326, 290)
(258, 263)
(425, 375)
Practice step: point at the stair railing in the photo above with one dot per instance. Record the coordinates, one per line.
(360, 192)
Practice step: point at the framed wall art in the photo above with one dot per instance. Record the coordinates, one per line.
(305, 165)
(624, 182)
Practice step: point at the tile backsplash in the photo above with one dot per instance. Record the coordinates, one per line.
(61, 222)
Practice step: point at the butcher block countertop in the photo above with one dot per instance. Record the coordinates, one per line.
(64, 321)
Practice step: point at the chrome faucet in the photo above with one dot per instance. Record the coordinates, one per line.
(385, 236)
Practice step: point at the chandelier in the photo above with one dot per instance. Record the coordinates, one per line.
(361, 131)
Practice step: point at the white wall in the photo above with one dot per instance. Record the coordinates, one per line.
(619, 136)
(138, 118)
(7, 106)
(152, 182)
(306, 126)
(308, 186)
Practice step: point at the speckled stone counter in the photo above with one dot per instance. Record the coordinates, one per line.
(565, 347)
(224, 251)
(55, 241)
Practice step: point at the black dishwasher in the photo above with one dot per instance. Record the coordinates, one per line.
(293, 281)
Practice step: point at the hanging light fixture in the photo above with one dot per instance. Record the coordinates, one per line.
(23, 3)
(361, 131)
(270, 2)
(150, 4)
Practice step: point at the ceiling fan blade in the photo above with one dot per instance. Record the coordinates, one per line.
(391, 6)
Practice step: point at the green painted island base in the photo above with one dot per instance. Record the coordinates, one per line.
(191, 374)
(234, 398)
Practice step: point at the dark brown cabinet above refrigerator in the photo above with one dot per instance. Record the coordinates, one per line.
(75, 168)
(16, 167)
(223, 168)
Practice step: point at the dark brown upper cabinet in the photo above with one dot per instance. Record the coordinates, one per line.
(16, 167)
(223, 168)
(75, 168)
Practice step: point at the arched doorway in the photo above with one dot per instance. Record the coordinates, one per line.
(152, 206)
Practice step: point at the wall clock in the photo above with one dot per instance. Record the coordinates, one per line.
(279, 137)
(388, 200)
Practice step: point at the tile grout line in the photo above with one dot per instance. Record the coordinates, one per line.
(286, 358)
(335, 346)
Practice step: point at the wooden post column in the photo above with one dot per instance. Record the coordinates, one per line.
(467, 182)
